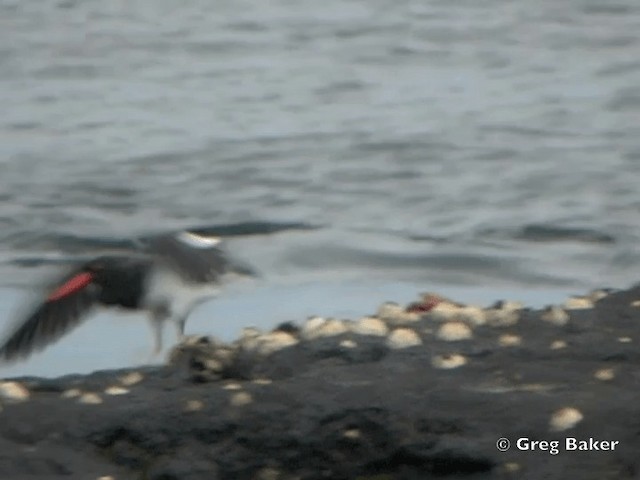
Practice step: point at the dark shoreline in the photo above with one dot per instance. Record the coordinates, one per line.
(389, 398)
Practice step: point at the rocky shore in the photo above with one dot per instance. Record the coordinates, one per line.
(418, 391)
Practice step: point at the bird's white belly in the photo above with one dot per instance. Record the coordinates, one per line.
(166, 288)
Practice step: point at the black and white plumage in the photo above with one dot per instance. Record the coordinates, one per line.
(168, 277)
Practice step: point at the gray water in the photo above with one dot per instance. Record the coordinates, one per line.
(480, 145)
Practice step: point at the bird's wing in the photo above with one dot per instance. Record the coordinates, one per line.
(64, 307)
(199, 259)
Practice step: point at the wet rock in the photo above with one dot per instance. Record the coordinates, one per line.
(348, 405)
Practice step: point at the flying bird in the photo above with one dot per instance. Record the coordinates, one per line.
(168, 277)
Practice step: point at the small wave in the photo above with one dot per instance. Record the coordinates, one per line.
(243, 229)
(71, 247)
(553, 233)
(39, 261)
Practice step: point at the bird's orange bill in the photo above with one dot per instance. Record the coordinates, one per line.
(74, 284)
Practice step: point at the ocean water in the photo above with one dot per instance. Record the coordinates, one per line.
(379, 147)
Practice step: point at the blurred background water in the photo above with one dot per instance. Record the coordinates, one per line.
(353, 151)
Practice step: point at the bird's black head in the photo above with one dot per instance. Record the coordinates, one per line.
(122, 280)
(97, 267)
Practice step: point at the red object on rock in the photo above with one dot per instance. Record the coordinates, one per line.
(425, 306)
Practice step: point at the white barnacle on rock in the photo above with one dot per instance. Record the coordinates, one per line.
(351, 433)
(370, 326)
(240, 399)
(269, 473)
(508, 305)
(312, 324)
(498, 317)
(448, 361)
(263, 381)
(555, 315)
(511, 467)
(332, 327)
(604, 374)
(273, 342)
(598, 294)
(509, 340)
(578, 303)
(90, 399)
(389, 310)
(395, 314)
(250, 332)
(232, 386)
(193, 405)
(317, 327)
(213, 364)
(116, 390)
(71, 393)
(444, 311)
(454, 331)
(472, 315)
(13, 392)
(558, 345)
(348, 344)
(131, 378)
(403, 338)
(565, 419)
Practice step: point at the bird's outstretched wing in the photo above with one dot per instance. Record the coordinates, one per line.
(199, 259)
(64, 307)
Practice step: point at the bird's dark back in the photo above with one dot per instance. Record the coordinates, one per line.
(122, 280)
(194, 264)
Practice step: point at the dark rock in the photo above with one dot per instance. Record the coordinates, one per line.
(288, 327)
(348, 407)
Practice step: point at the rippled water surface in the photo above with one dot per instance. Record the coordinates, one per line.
(479, 144)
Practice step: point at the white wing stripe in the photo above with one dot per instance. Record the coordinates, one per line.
(198, 241)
